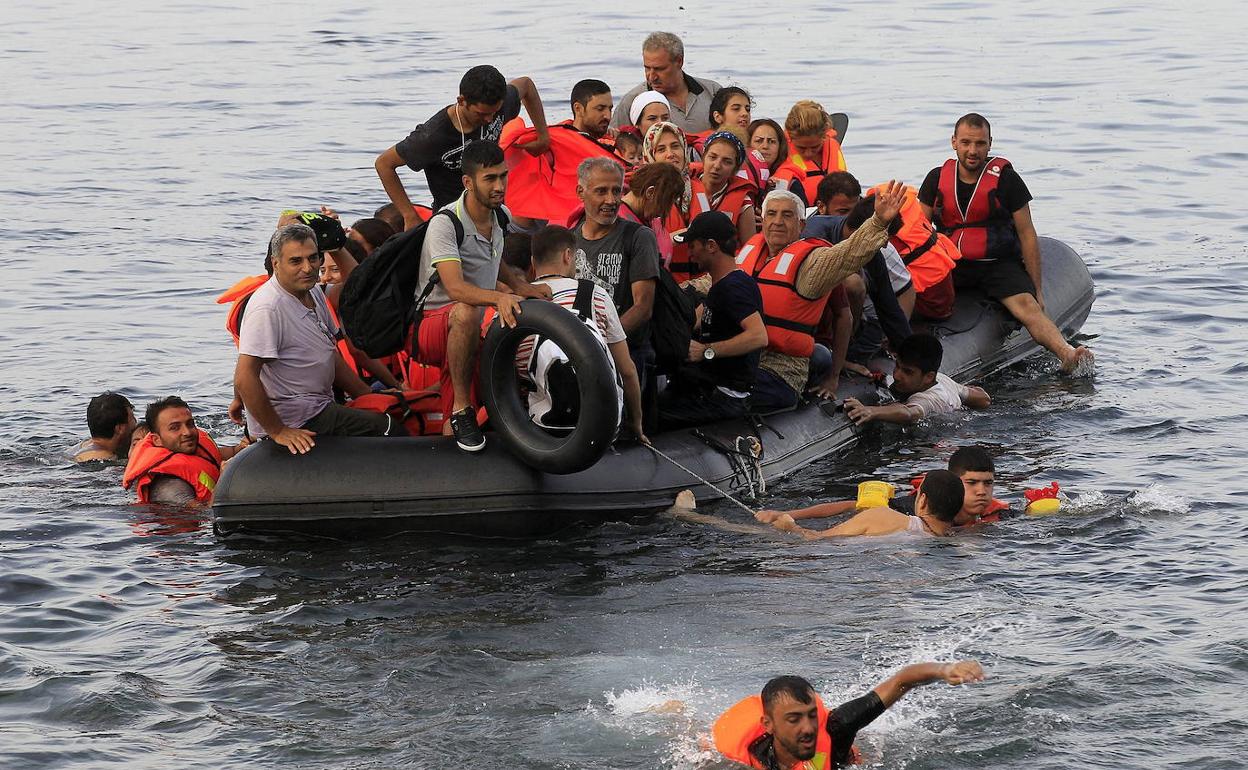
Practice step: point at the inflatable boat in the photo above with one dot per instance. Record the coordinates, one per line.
(349, 487)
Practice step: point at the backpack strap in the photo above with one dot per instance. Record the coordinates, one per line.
(584, 302)
(537, 343)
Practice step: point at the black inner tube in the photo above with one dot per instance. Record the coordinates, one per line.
(509, 415)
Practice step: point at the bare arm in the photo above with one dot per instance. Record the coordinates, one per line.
(898, 413)
(820, 511)
(977, 398)
(386, 166)
(919, 674)
(753, 337)
(632, 386)
(227, 452)
(451, 273)
(643, 306)
(346, 265)
(532, 102)
(346, 378)
(1031, 248)
(844, 331)
(256, 400)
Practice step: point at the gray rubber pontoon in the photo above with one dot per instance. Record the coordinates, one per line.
(354, 486)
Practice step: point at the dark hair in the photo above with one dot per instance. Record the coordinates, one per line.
(481, 154)
(863, 210)
(944, 493)
(795, 687)
(838, 183)
(355, 249)
(483, 84)
(391, 215)
(729, 246)
(974, 120)
(518, 250)
(971, 459)
(585, 90)
(551, 240)
(719, 102)
(783, 154)
(375, 231)
(921, 350)
(105, 412)
(627, 137)
(156, 407)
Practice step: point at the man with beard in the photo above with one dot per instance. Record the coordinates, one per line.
(591, 108)
(788, 727)
(176, 463)
(468, 272)
(983, 205)
(619, 255)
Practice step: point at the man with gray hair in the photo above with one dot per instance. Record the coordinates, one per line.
(796, 277)
(663, 57)
(288, 360)
(619, 255)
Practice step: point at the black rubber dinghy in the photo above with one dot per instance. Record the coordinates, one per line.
(350, 487)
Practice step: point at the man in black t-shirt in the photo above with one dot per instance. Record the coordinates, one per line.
(1000, 250)
(484, 104)
(789, 732)
(724, 351)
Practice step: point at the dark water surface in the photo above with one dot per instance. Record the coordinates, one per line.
(147, 151)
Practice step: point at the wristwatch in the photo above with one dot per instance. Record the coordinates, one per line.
(708, 352)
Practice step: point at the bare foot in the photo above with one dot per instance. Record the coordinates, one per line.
(785, 523)
(685, 499)
(1081, 363)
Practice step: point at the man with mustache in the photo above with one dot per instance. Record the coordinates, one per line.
(663, 58)
(983, 205)
(619, 255)
(787, 727)
(288, 360)
(176, 463)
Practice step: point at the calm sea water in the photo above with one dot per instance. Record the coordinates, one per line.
(147, 150)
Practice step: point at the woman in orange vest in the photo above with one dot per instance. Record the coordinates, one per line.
(716, 188)
(815, 150)
(787, 727)
(175, 450)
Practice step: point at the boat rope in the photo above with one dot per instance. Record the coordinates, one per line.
(725, 495)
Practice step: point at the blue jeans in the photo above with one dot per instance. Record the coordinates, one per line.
(772, 393)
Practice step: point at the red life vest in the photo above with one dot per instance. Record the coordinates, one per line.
(790, 318)
(200, 469)
(344, 349)
(739, 730)
(796, 169)
(544, 187)
(986, 229)
(732, 201)
(929, 255)
(239, 294)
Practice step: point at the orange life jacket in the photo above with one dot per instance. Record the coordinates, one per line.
(986, 229)
(200, 469)
(790, 318)
(796, 169)
(929, 255)
(991, 514)
(739, 730)
(544, 187)
(239, 294)
(420, 411)
(344, 349)
(732, 201)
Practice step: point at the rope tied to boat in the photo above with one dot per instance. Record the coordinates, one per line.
(722, 493)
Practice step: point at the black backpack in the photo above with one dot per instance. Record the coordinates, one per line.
(671, 323)
(378, 302)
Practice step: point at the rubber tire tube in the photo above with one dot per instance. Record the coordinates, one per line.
(597, 423)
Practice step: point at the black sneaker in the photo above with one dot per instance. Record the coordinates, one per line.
(467, 432)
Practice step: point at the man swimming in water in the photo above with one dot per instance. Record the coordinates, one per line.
(972, 464)
(110, 418)
(920, 387)
(787, 726)
(935, 507)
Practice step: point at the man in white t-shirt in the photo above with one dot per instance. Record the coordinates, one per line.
(920, 388)
(554, 265)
